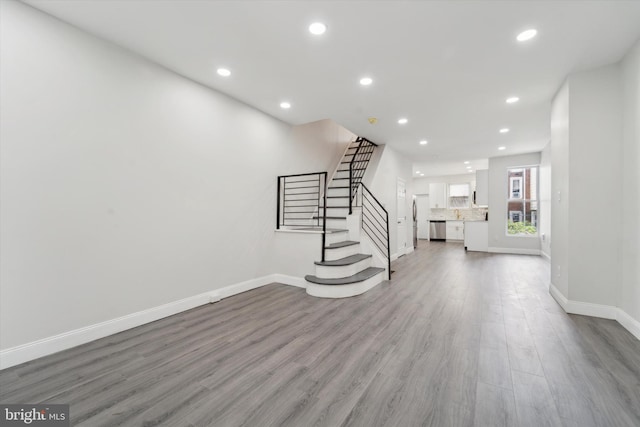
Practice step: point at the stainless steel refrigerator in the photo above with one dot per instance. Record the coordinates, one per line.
(415, 224)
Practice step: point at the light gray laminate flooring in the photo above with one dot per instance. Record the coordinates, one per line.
(456, 339)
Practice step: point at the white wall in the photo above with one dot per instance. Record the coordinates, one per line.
(560, 195)
(124, 186)
(544, 222)
(595, 210)
(391, 166)
(630, 289)
(322, 143)
(498, 189)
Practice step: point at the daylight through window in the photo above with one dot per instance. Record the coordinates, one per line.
(522, 201)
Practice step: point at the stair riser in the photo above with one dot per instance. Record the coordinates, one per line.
(344, 291)
(334, 254)
(304, 222)
(338, 191)
(336, 212)
(336, 237)
(337, 272)
(337, 202)
(342, 174)
(336, 223)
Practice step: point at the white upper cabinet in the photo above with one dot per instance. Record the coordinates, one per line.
(482, 187)
(459, 196)
(437, 195)
(458, 190)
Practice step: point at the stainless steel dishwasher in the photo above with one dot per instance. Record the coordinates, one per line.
(438, 231)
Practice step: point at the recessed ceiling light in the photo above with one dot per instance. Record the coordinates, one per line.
(504, 130)
(421, 174)
(224, 72)
(417, 171)
(512, 100)
(468, 167)
(424, 142)
(285, 105)
(317, 28)
(402, 121)
(366, 81)
(466, 163)
(502, 148)
(527, 35)
(470, 171)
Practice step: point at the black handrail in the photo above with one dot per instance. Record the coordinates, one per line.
(375, 222)
(361, 157)
(301, 189)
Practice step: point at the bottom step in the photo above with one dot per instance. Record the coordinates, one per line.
(347, 286)
(358, 277)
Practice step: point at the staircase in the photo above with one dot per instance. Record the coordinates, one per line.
(344, 270)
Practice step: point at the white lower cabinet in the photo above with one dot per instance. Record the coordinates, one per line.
(455, 230)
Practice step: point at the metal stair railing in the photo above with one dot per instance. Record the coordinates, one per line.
(358, 166)
(299, 198)
(375, 221)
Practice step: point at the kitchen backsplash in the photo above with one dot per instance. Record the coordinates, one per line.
(450, 214)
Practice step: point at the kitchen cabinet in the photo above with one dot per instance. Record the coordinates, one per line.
(476, 236)
(459, 196)
(437, 195)
(482, 187)
(455, 230)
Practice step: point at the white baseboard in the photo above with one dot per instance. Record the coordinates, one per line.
(43, 347)
(545, 255)
(245, 286)
(514, 251)
(596, 310)
(298, 282)
(629, 323)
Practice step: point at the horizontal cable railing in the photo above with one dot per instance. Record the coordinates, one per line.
(301, 201)
(358, 166)
(375, 221)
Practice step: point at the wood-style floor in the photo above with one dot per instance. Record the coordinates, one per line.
(456, 339)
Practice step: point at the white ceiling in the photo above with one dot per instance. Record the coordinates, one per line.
(447, 66)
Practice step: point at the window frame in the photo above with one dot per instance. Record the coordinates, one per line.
(522, 200)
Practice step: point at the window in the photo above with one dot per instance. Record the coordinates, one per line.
(458, 196)
(522, 201)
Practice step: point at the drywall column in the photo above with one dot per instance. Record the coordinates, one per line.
(560, 195)
(595, 206)
(544, 223)
(630, 289)
(587, 192)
